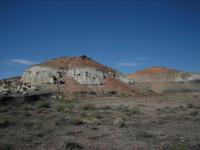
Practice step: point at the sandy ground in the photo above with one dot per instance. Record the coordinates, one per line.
(121, 123)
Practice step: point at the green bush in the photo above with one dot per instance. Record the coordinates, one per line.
(25, 107)
(193, 113)
(176, 147)
(4, 109)
(105, 107)
(166, 109)
(135, 110)
(4, 122)
(60, 108)
(129, 110)
(123, 108)
(34, 124)
(76, 121)
(88, 107)
(190, 105)
(42, 104)
(5, 147)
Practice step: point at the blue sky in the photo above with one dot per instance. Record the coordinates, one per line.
(127, 35)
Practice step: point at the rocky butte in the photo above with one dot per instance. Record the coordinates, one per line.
(80, 76)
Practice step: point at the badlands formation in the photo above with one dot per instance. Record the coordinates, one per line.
(166, 80)
(83, 77)
(79, 76)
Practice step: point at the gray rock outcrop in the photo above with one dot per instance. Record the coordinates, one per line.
(86, 75)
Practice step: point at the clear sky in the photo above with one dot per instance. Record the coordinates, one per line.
(127, 35)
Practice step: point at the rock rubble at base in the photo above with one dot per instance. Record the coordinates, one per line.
(8, 87)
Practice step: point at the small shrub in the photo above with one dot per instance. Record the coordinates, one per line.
(35, 124)
(5, 147)
(190, 105)
(129, 110)
(73, 145)
(197, 107)
(4, 122)
(105, 107)
(76, 121)
(123, 108)
(181, 106)
(167, 109)
(119, 122)
(68, 103)
(144, 135)
(88, 107)
(176, 147)
(111, 93)
(3, 109)
(92, 93)
(135, 110)
(26, 107)
(193, 113)
(60, 108)
(42, 104)
(124, 95)
(158, 109)
(90, 120)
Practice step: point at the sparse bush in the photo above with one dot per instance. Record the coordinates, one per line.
(35, 124)
(197, 107)
(119, 122)
(5, 147)
(60, 108)
(26, 107)
(76, 121)
(193, 113)
(90, 120)
(123, 108)
(4, 109)
(124, 95)
(135, 110)
(73, 146)
(105, 107)
(88, 107)
(143, 134)
(42, 104)
(181, 106)
(92, 93)
(129, 110)
(111, 93)
(176, 147)
(4, 122)
(27, 113)
(97, 115)
(166, 109)
(190, 105)
(68, 103)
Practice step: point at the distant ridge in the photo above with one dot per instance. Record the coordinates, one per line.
(164, 79)
(152, 71)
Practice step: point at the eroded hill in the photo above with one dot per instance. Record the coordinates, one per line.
(161, 79)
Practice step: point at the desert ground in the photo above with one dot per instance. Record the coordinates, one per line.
(142, 122)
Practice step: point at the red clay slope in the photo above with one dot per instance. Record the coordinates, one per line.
(111, 84)
(151, 72)
(75, 62)
(71, 86)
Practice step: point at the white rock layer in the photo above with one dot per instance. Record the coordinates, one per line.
(86, 75)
